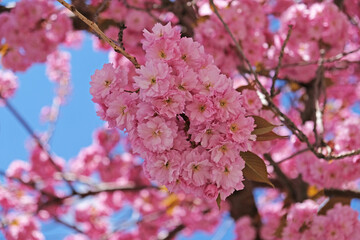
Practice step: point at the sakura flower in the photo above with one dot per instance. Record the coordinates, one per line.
(157, 134)
(197, 166)
(200, 110)
(153, 79)
(101, 81)
(229, 105)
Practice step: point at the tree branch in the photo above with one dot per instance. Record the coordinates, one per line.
(285, 181)
(100, 33)
(75, 228)
(341, 193)
(325, 60)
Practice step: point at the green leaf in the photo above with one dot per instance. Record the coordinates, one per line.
(218, 201)
(330, 202)
(262, 126)
(255, 168)
(269, 136)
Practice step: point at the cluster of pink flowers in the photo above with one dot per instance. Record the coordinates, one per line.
(304, 223)
(183, 117)
(317, 26)
(340, 222)
(8, 84)
(323, 173)
(247, 21)
(30, 31)
(36, 197)
(22, 227)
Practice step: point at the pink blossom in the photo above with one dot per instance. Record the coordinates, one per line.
(197, 166)
(101, 81)
(157, 134)
(229, 105)
(153, 79)
(200, 110)
(229, 175)
(211, 191)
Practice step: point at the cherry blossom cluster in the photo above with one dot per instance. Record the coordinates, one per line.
(319, 172)
(340, 222)
(183, 117)
(247, 21)
(317, 27)
(22, 227)
(302, 221)
(30, 31)
(32, 195)
(8, 84)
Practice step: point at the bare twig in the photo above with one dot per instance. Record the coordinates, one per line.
(30, 184)
(73, 227)
(293, 155)
(100, 33)
(272, 91)
(35, 137)
(326, 60)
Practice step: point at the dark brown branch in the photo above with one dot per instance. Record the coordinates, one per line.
(341, 193)
(284, 180)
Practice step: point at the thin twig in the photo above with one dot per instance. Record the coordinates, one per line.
(272, 91)
(293, 155)
(75, 228)
(35, 137)
(326, 60)
(30, 184)
(100, 33)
